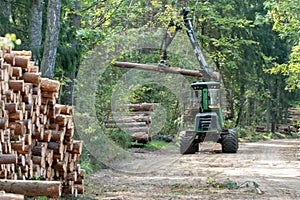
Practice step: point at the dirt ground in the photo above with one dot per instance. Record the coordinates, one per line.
(261, 170)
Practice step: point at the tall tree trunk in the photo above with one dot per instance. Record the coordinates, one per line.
(68, 88)
(35, 28)
(5, 9)
(241, 106)
(51, 41)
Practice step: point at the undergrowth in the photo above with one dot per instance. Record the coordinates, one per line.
(249, 134)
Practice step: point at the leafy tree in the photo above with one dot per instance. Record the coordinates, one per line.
(285, 15)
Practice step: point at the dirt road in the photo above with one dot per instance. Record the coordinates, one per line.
(261, 170)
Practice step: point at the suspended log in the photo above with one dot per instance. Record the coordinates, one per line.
(32, 188)
(172, 70)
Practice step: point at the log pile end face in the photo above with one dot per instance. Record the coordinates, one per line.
(134, 120)
(36, 133)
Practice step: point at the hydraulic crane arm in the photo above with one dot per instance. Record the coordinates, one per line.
(207, 72)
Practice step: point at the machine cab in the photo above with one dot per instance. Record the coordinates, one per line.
(206, 96)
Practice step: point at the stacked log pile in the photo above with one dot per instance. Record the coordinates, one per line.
(135, 120)
(293, 122)
(292, 126)
(36, 133)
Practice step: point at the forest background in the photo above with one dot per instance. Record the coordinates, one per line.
(255, 45)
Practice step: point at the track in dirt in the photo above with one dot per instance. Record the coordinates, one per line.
(165, 174)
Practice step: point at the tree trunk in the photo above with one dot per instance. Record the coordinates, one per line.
(5, 9)
(51, 41)
(68, 88)
(35, 28)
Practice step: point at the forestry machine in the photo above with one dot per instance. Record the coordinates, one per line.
(206, 99)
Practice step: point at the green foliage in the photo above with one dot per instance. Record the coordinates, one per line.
(120, 137)
(9, 40)
(285, 15)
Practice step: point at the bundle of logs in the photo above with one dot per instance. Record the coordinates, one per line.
(38, 155)
(293, 122)
(292, 125)
(135, 120)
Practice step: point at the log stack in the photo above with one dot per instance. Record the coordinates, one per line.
(134, 120)
(293, 122)
(36, 133)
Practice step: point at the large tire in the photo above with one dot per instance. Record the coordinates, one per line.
(187, 142)
(230, 143)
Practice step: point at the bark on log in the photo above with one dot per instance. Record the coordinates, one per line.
(32, 188)
(141, 137)
(140, 107)
(127, 119)
(22, 61)
(22, 53)
(77, 147)
(16, 85)
(18, 127)
(8, 159)
(50, 85)
(34, 78)
(9, 58)
(17, 72)
(11, 107)
(172, 70)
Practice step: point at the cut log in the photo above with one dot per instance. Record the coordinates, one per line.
(50, 85)
(8, 159)
(11, 107)
(32, 188)
(22, 61)
(140, 107)
(34, 78)
(16, 85)
(4, 123)
(40, 150)
(127, 119)
(17, 72)
(172, 70)
(10, 196)
(141, 137)
(18, 127)
(77, 147)
(22, 53)
(9, 58)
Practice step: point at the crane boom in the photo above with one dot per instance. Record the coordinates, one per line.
(206, 70)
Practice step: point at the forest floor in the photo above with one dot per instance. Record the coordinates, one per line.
(260, 170)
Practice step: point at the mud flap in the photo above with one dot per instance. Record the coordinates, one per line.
(187, 144)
